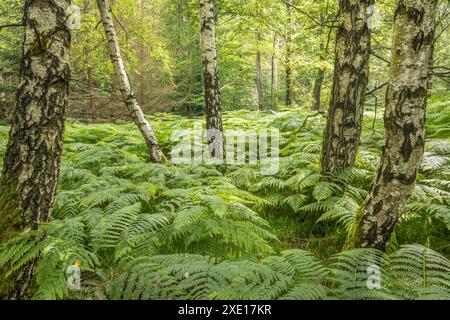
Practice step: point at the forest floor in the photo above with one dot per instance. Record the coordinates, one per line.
(109, 198)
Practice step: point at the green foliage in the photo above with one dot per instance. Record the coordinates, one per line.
(150, 231)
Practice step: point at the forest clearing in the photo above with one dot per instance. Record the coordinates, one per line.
(320, 171)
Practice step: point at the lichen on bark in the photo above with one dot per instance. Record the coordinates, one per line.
(351, 74)
(406, 101)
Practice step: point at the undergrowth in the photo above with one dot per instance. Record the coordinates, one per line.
(150, 231)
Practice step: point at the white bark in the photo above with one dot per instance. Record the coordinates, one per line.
(406, 100)
(211, 80)
(126, 91)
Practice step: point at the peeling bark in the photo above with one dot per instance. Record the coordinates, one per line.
(351, 72)
(211, 80)
(406, 100)
(128, 96)
(33, 153)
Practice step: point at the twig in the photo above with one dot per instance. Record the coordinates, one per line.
(381, 58)
(11, 25)
(376, 88)
(306, 119)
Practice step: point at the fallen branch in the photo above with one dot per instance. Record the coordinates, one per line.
(322, 113)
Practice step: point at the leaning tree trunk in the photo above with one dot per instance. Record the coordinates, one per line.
(351, 71)
(128, 96)
(259, 81)
(211, 80)
(406, 101)
(33, 153)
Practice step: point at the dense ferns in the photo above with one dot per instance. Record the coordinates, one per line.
(149, 231)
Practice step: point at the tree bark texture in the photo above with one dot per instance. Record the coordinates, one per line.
(126, 91)
(33, 154)
(351, 72)
(211, 80)
(406, 100)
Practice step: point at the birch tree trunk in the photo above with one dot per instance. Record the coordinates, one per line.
(128, 96)
(211, 80)
(351, 72)
(32, 159)
(406, 100)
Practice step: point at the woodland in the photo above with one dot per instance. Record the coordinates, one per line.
(96, 95)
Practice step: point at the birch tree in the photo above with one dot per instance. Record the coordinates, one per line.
(126, 91)
(33, 154)
(211, 80)
(406, 101)
(351, 73)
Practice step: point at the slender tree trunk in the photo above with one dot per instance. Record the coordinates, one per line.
(33, 153)
(211, 80)
(259, 81)
(317, 90)
(142, 59)
(274, 74)
(128, 96)
(351, 72)
(89, 71)
(288, 58)
(316, 105)
(406, 100)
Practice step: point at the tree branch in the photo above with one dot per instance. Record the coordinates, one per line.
(371, 91)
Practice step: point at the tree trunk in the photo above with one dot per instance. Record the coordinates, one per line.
(288, 58)
(211, 80)
(142, 60)
(259, 81)
(274, 74)
(317, 90)
(128, 96)
(351, 71)
(406, 100)
(89, 71)
(33, 153)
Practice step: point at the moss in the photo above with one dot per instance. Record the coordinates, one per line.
(11, 223)
(11, 220)
(354, 234)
